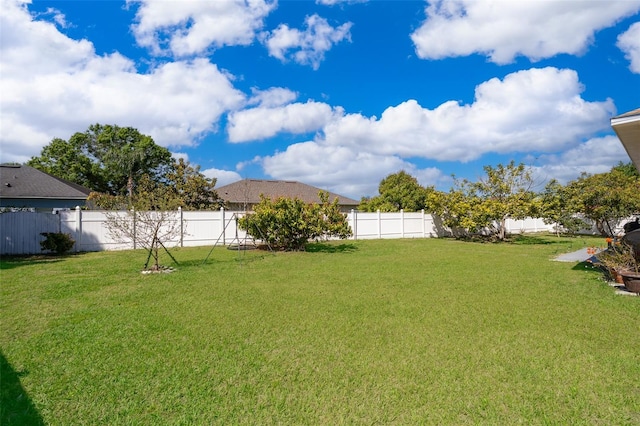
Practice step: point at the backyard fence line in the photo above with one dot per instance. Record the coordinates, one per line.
(20, 231)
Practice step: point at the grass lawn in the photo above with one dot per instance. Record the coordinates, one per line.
(428, 331)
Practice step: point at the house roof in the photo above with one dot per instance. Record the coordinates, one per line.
(20, 181)
(247, 191)
(627, 127)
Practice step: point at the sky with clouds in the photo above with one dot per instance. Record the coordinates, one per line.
(333, 93)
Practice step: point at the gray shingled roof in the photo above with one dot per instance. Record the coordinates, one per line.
(19, 181)
(248, 191)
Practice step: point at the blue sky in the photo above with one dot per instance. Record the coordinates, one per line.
(335, 94)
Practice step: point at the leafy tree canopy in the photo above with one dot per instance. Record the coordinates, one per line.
(183, 186)
(606, 198)
(398, 191)
(193, 189)
(105, 158)
(557, 206)
(627, 168)
(504, 192)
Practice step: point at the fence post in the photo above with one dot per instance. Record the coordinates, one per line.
(180, 215)
(379, 225)
(424, 228)
(354, 220)
(401, 223)
(224, 227)
(133, 215)
(78, 227)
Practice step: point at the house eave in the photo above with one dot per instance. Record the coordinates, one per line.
(627, 128)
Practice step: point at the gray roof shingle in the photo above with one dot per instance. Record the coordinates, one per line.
(248, 191)
(20, 181)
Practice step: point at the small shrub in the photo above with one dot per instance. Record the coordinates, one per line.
(56, 242)
(289, 223)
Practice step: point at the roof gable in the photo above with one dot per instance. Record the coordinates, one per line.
(20, 181)
(248, 191)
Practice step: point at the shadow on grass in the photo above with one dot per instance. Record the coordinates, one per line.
(16, 408)
(588, 267)
(330, 248)
(10, 262)
(536, 240)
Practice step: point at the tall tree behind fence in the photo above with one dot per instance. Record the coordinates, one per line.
(20, 231)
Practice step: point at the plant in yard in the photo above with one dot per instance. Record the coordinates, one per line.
(557, 206)
(57, 242)
(151, 222)
(624, 260)
(484, 206)
(605, 198)
(289, 223)
(398, 191)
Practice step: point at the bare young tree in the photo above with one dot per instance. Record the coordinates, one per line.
(152, 220)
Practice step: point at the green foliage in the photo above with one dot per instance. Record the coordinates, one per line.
(398, 191)
(622, 256)
(289, 223)
(628, 169)
(183, 186)
(605, 198)
(105, 158)
(57, 242)
(504, 192)
(70, 160)
(557, 206)
(194, 190)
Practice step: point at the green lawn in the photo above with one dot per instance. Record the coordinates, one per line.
(429, 331)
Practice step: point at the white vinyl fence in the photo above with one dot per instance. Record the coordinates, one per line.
(20, 231)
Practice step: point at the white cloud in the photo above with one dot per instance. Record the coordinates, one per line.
(503, 30)
(341, 169)
(537, 110)
(596, 155)
(273, 97)
(261, 123)
(223, 177)
(69, 87)
(191, 27)
(532, 110)
(305, 47)
(629, 43)
(334, 2)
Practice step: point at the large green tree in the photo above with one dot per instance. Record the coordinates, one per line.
(71, 161)
(397, 191)
(105, 158)
(505, 192)
(606, 198)
(558, 206)
(194, 190)
(182, 186)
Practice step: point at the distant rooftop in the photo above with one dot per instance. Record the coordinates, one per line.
(20, 181)
(248, 191)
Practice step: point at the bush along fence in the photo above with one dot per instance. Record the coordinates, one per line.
(20, 232)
